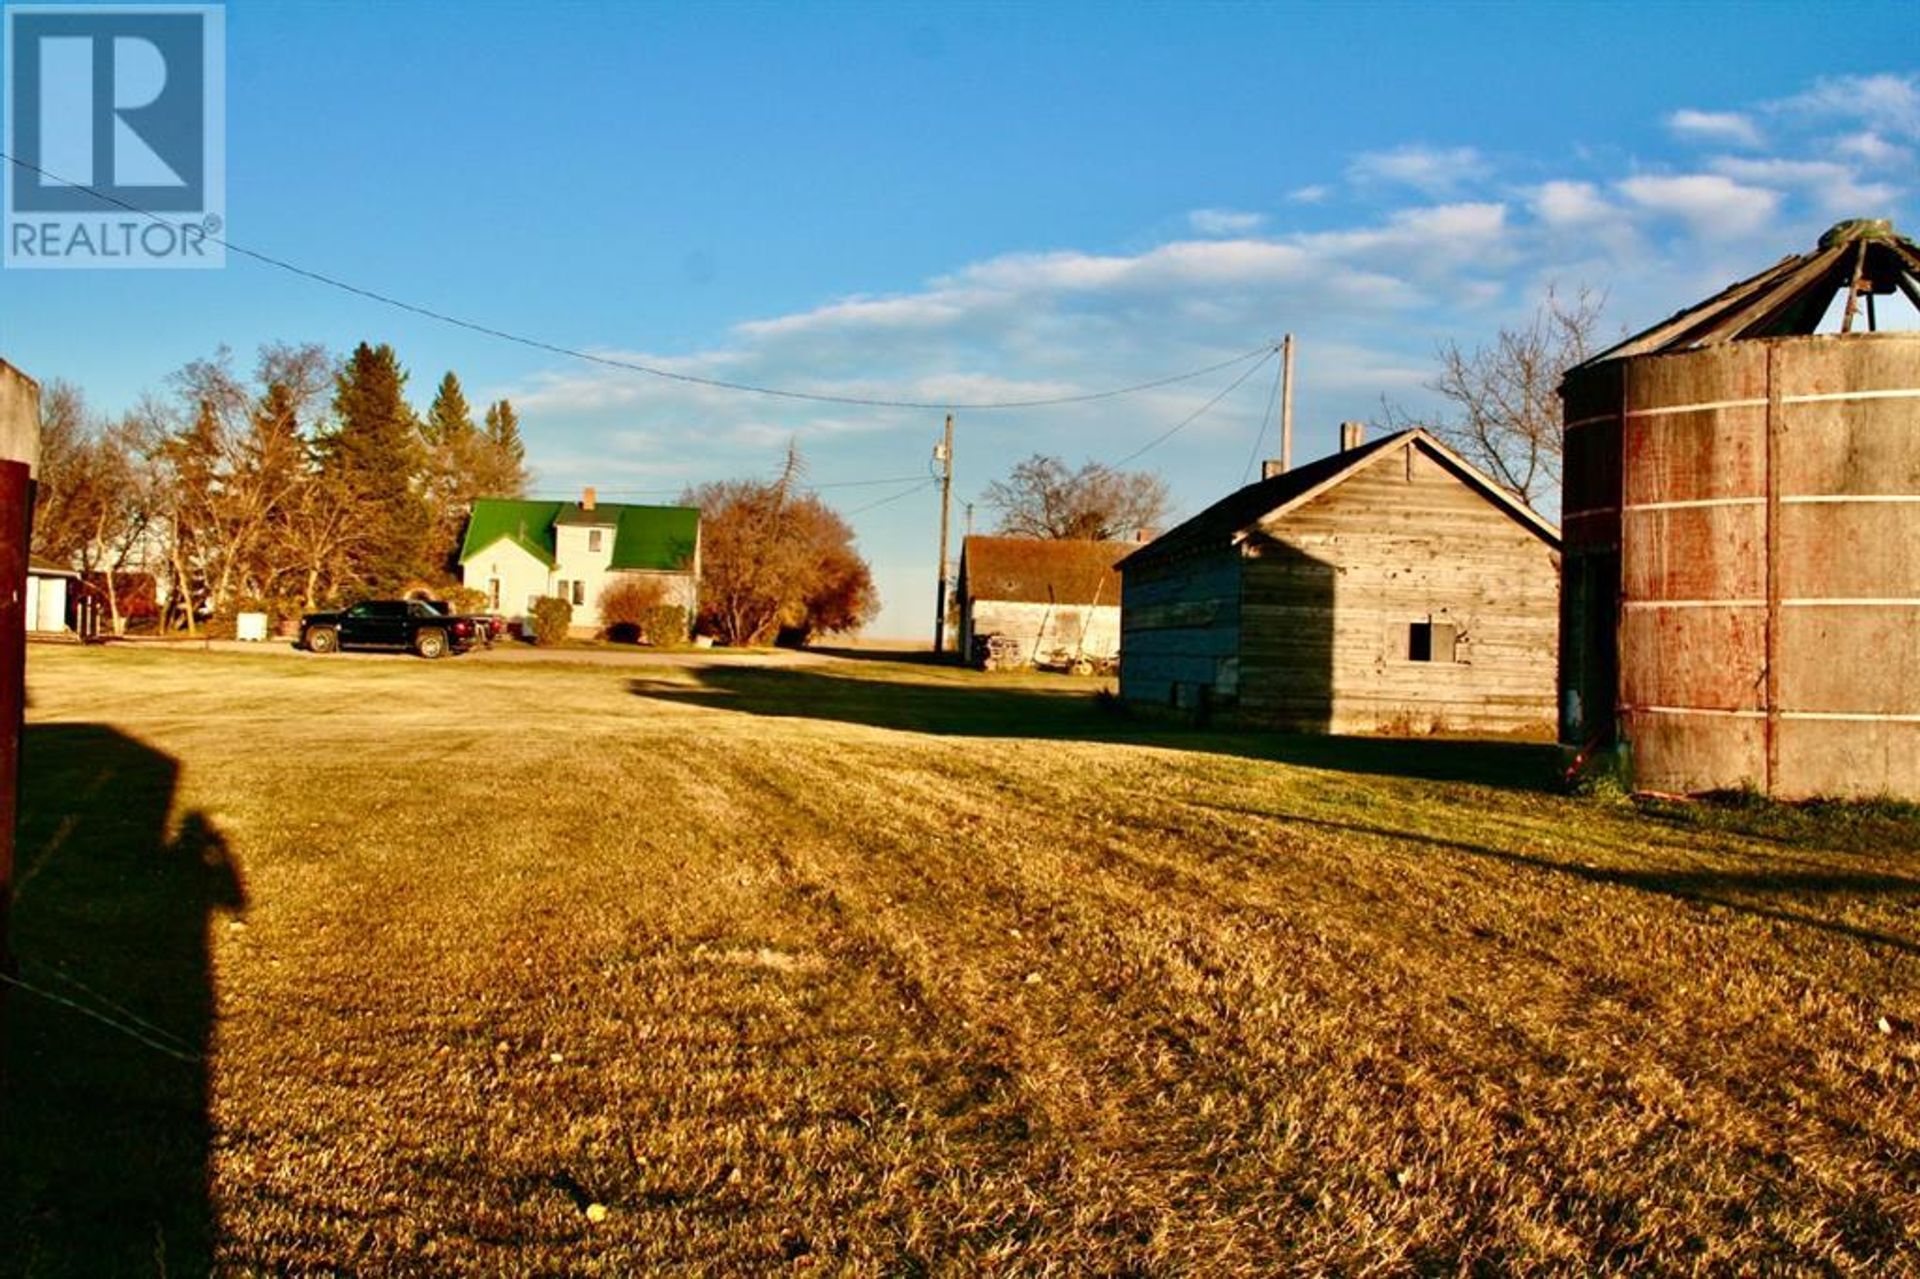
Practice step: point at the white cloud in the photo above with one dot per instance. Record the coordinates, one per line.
(1435, 171)
(1731, 127)
(1436, 234)
(1314, 194)
(1832, 186)
(1225, 221)
(1571, 204)
(1712, 205)
(1887, 103)
(926, 310)
(1190, 262)
(1870, 148)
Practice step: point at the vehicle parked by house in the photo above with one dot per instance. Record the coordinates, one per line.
(405, 624)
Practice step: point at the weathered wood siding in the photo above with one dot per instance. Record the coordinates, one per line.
(1330, 599)
(1180, 632)
(1047, 631)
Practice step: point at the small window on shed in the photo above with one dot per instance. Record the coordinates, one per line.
(1430, 642)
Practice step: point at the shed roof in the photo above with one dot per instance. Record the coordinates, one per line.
(1031, 570)
(1235, 516)
(657, 538)
(1863, 257)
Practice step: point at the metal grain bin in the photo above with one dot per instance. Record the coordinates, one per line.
(1741, 583)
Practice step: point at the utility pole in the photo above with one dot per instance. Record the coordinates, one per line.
(1286, 403)
(943, 455)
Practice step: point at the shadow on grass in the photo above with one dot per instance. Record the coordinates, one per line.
(903, 655)
(104, 1136)
(1722, 889)
(967, 704)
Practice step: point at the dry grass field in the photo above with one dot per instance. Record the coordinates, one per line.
(863, 967)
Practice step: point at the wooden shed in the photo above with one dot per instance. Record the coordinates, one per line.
(1390, 587)
(1027, 600)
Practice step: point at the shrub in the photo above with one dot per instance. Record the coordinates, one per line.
(664, 624)
(468, 599)
(551, 618)
(624, 605)
(633, 610)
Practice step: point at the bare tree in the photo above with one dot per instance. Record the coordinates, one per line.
(331, 525)
(93, 504)
(60, 525)
(109, 508)
(237, 459)
(1042, 498)
(1505, 398)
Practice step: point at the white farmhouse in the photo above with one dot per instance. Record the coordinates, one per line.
(517, 551)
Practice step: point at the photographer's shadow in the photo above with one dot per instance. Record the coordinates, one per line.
(105, 1133)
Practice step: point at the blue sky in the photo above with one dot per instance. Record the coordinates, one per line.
(983, 202)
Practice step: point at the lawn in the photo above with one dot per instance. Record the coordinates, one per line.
(875, 968)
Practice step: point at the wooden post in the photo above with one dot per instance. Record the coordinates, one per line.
(945, 456)
(1286, 403)
(19, 456)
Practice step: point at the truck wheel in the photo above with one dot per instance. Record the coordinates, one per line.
(322, 639)
(430, 643)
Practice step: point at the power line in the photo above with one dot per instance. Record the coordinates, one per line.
(861, 484)
(632, 366)
(1198, 413)
(603, 491)
(920, 487)
(1278, 375)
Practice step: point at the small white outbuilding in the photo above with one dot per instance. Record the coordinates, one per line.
(48, 586)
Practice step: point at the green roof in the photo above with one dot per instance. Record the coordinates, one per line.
(528, 525)
(656, 537)
(661, 538)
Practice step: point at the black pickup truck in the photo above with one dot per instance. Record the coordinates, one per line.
(414, 624)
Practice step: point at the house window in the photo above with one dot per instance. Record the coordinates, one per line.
(593, 539)
(560, 589)
(579, 592)
(1430, 642)
(493, 594)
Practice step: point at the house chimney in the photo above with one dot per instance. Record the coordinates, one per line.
(1351, 434)
(586, 499)
(1271, 467)
(1145, 535)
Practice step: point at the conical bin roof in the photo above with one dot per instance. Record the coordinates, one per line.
(1863, 257)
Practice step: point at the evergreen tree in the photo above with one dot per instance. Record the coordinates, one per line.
(454, 449)
(502, 471)
(449, 421)
(374, 454)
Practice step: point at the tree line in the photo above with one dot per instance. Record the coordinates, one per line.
(308, 480)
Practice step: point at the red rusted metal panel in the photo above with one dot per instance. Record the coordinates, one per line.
(16, 513)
